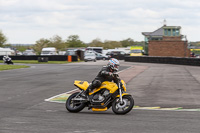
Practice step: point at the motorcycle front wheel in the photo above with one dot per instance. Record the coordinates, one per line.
(74, 106)
(124, 107)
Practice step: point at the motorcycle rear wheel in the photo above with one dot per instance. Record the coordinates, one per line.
(72, 106)
(128, 103)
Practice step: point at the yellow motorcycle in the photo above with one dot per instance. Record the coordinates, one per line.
(102, 98)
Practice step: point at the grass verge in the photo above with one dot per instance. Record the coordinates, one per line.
(9, 67)
(36, 62)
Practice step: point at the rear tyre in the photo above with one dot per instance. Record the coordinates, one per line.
(74, 106)
(125, 107)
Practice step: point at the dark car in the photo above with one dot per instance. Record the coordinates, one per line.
(101, 57)
(197, 56)
(113, 54)
(117, 54)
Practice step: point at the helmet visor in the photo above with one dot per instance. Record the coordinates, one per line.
(116, 67)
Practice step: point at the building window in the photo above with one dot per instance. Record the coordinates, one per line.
(177, 32)
(165, 32)
(174, 32)
(169, 32)
(146, 39)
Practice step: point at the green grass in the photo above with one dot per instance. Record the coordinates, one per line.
(8, 67)
(36, 62)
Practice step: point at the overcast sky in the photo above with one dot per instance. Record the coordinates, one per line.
(26, 21)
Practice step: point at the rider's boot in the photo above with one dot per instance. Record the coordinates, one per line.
(86, 93)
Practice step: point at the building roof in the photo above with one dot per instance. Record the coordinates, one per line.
(146, 33)
(158, 32)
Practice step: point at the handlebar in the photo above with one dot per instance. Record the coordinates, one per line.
(115, 75)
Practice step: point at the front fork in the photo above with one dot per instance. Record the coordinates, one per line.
(120, 94)
(79, 93)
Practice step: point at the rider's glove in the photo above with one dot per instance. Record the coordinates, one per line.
(111, 74)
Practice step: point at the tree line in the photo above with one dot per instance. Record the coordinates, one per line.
(71, 42)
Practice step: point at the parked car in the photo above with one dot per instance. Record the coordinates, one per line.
(102, 57)
(197, 56)
(49, 51)
(90, 56)
(29, 52)
(116, 53)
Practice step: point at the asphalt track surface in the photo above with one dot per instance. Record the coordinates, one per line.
(23, 91)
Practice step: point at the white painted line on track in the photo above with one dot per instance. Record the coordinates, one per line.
(125, 69)
(49, 99)
(165, 109)
(72, 90)
(55, 101)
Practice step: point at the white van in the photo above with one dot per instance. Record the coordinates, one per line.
(49, 51)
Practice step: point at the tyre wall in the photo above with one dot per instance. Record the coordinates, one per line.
(36, 57)
(164, 60)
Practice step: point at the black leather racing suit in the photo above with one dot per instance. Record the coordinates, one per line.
(104, 75)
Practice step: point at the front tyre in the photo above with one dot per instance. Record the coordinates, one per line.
(74, 106)
(125, 107)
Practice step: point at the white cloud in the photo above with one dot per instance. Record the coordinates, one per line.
(8, 2)
(26, 21)
(144, 13)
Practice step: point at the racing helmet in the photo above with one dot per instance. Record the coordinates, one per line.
(4, 57)
(113, 64)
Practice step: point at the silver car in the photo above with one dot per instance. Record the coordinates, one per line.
(90, 57)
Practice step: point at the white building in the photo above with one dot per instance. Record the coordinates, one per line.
(6, 51)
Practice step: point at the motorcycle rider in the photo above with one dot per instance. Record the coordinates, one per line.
(4, 58)
(106, 74)
(7, 59)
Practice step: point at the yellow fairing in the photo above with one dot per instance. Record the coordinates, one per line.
(81, 84)
(123, 94)
(112, 87)
(99, 109)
